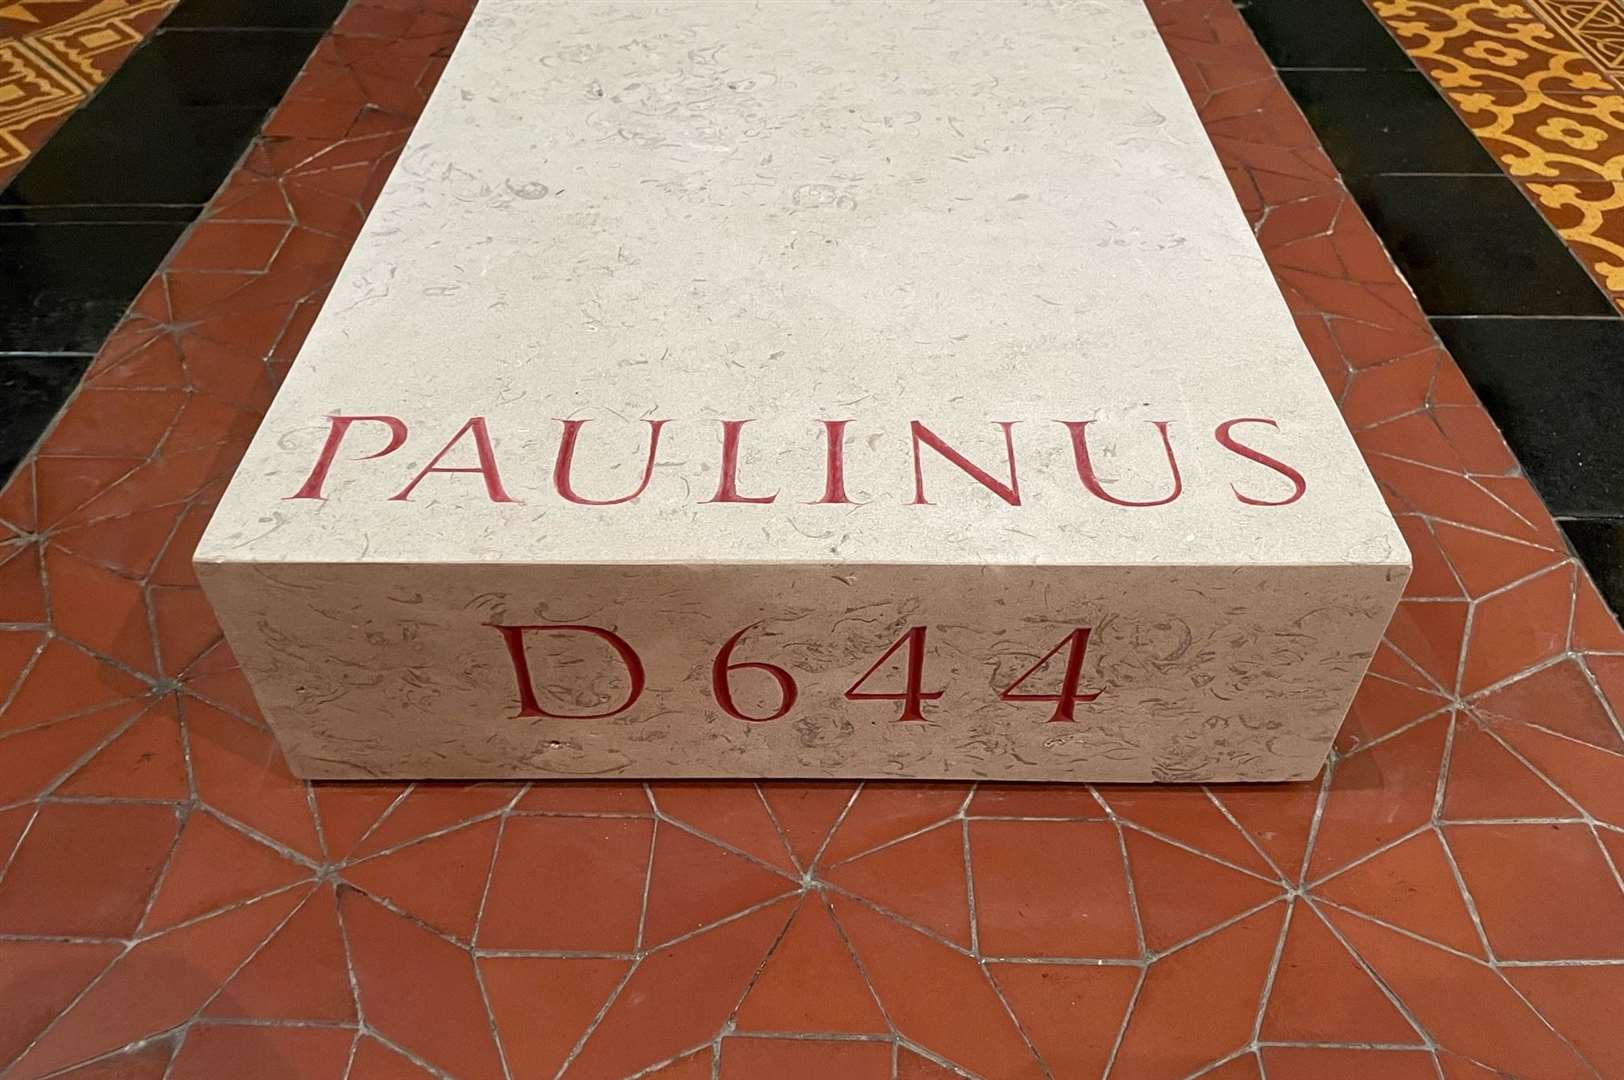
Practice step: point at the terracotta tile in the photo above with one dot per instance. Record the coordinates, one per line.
(1608, 671)
(693, 883)
(911, 1066)
(1198, 1004)
(1430, 634)
(1447, 495)
(732, 812)
(239, 771)
(1558, 697)
(220, 245)
(886, 810)
(1518, 628)
(1411, 886)
(1486, 781)
(1320, 994)
(1475, 438)
(1277, 816)
(33, 760)
(1431, 575)
(1327, 1063)
(1381, 707)
(375, 1061)
(130, 548)
(1462, 1004)
(1051, 889)
(393, 960)
(86, 870)
(679, 996)
(1181, 894)
(144, 762)
(100, 610)
(811, 982)
(435, 807)
(528, 909)
(1585, 1004)
(17, 651)
(215, 866)
(113, 423)
(1071, 1012)
(262, 1053)
(1367, 344)
(53, 973)
(1594, 627)
(63, 485)
(583, 797)
(922, 879)
(148, 1061)
(157, 984)
(440, 880)
(1244, 1067)
(1486, 562)
(1378, 794)
(1584, 774)
(1036, 801)
(12, 824)
(1389, 389)
(1189, 816)
(302, 973)
(1514, 871)
(185, 625)
(543, 1005)
(695, 1066)
(978, 1035)
(806, 813)
(348, 810)
(803, 1059)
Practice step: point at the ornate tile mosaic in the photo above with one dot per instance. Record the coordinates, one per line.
(53, 55)
(1445, 900)
(1539, 84)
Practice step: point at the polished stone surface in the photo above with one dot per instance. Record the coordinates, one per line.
(929, 425)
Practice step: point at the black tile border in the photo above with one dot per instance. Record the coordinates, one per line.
(172, 99)
(1462, 258)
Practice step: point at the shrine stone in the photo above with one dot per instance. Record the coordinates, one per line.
(805, 390)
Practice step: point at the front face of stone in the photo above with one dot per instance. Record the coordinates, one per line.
(699, 336)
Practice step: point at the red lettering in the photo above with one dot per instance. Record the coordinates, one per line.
(723, 668)
(486, 467)
(529, 706)
(1227, 441)
(1085, 466)
(913, 695)
(834, 486)
(1068, 697)
(340, 425)
(566, 459)
(727, 487)
(1010, 492)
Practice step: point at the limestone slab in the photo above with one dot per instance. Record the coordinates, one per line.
(805, 390)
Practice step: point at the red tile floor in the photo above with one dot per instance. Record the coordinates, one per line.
(1444, 902)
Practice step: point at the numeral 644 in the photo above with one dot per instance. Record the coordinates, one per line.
(913, 695)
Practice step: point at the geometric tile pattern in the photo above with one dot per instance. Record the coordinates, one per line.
(53, 55)
(1445, 900)
(1540, 85)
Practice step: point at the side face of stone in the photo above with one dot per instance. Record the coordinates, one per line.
(1180, 676)
(909, 350)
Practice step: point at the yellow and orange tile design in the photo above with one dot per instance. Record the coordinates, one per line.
(53, 55)
(1541, 84)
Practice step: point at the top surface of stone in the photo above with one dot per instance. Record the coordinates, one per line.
(787, 214)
